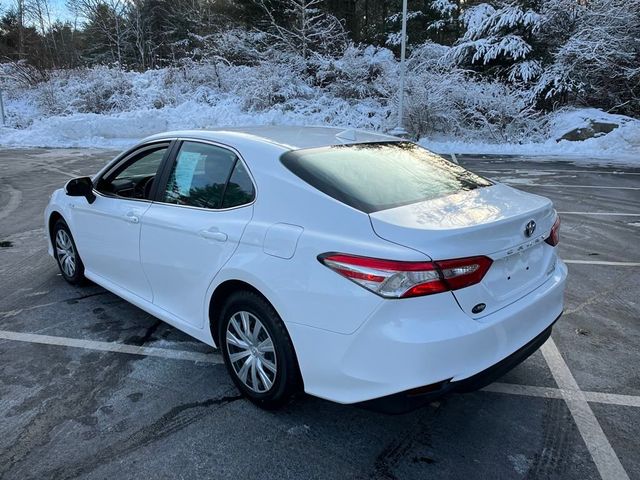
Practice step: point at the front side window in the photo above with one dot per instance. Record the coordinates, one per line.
(134, 178)
(378, 176)
(207, 176)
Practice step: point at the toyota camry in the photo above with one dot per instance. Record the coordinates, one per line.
(356, 267)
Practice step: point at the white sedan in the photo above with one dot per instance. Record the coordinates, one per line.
(354, 266)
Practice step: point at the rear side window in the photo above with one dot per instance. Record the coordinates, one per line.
(378, 176)
(239, 189)
(199, 175)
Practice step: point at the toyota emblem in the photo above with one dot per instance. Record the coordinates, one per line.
(530, 228)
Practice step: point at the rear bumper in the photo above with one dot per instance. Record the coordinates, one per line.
(410, 400)
(407, 344)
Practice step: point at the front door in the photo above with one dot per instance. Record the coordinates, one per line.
(107, 232)
(194, 227)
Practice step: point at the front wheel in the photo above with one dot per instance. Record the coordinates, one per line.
(69, 262)
(257, 350)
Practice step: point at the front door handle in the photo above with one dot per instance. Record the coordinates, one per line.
(214, 235)
(131, 217)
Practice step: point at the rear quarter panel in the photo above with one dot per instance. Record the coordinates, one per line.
(301, 289)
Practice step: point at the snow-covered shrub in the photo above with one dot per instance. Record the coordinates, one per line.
(597, 58)
(236, 46)
(358, 73)
(451, 104)
(444, 100)
(96, 90)
(20, 74)
(269, 83)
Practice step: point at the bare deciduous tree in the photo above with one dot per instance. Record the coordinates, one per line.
(306, 27)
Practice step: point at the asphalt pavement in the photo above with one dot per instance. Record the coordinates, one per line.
(92, 387)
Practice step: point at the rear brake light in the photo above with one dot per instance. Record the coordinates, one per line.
(554, 237)
(396, 279)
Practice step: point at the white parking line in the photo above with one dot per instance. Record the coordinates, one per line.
(525, 390)
(14, 201)
(602, 262)
(534, 172)
(214, 358)
(552, 392)
(111, 347)
(606, 460)
(568, 186)
(613, 399)
(613, 214)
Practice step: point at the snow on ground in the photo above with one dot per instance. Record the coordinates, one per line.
(622, 146)
(123, 129)
(619, 146)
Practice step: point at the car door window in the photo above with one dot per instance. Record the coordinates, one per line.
(199, 175)
(134, 178)
(240, 189)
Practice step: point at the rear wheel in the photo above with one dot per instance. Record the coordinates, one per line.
(69, 262)
(257, 350)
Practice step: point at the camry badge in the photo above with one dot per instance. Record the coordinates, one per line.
(530, 228)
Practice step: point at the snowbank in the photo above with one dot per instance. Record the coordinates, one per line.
(621, 145)
(124, 129)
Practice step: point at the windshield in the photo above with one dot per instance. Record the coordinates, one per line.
(379, 176)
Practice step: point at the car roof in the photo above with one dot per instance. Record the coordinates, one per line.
(286, 137)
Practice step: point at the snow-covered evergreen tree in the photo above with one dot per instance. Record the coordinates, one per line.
(501, 40)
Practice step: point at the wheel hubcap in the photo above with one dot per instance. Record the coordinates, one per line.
(66, 253)
(251, 352)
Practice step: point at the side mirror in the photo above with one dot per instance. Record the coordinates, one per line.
(80, 187)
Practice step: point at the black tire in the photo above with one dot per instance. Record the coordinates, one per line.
(287, 381)
(77, 276)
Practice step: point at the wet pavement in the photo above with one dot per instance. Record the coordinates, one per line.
(71, 412)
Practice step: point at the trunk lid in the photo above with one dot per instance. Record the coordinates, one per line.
(489, 221)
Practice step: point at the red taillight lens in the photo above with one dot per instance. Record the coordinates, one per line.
(394, 279)
(554, 237)
(464, 272)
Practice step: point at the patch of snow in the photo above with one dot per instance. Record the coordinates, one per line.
(516, 181)
(566, 120)
(299, 430)
(521, 464)
(620, 146)
(591, 154)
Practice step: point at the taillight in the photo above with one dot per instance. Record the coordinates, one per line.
(554, 237)
(395, 279)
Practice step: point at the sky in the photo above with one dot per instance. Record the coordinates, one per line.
(59, 9)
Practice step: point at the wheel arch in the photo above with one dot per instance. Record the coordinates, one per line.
(53, 218)
(220, 295)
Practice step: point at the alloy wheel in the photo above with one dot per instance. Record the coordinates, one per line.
(251, 352)
(66, 253)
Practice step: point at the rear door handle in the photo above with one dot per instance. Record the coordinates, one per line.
(131, 217)
(214, 235)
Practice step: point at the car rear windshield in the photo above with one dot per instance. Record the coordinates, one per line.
(378, 176)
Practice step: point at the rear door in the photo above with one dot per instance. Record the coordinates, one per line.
(202, 208)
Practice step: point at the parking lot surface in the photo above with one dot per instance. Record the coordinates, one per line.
(92, 387)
